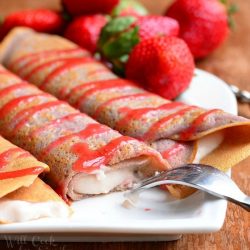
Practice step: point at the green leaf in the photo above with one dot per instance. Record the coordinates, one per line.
(121, 45)
(127, 5)
(117, 39)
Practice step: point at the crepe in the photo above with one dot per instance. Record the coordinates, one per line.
(181, 133)
(23, 196)
(85, 157)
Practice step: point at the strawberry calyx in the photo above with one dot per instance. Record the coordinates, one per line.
(129, 7)
(117, 39)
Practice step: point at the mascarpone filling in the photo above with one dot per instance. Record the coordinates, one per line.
(20, 211)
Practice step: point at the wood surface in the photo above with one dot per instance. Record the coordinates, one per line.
(231, 62)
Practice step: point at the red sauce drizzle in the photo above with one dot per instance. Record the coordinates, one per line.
(34, 56)
(189, 132)
(21, 172)
(99, 86)
(8, 107)
(131, 97)
(41, 67)
(66, 91)
(66, 52)
(10, 155)
(25, 115)
(68, 65)
(93, 159)
(175, 149)
(55, 122)
(150, 135)
(91, 129)
(6, 155)
(136, 114)
(82, 86)
(11, 88)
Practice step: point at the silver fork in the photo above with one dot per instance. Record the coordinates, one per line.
(199, 176)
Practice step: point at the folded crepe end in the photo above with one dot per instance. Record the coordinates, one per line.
(118, 177)
(33, 202)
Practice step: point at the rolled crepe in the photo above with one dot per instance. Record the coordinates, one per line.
(181, 133)
(85, 157)
(23, 196)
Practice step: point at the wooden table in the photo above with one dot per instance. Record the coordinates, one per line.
(232, 63)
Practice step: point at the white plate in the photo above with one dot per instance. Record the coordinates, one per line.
(158, 216)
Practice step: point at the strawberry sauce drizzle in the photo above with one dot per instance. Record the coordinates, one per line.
(70, 54)
(43, 66)
(136, 114)
(22, 172)
(90, 130)
(10, 106)
(154, 129)
(93, 159)
(189, 132)
(54, 123)
(35, 56)
(99, 86)
(11, 88)
(174, 150)
(129, 97)
(26, 114)
(70, 64)
(9, 155)
(6, 156)
(88, 160)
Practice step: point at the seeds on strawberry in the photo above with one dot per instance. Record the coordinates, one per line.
(203, 24)
(163, 65)
(121, 34)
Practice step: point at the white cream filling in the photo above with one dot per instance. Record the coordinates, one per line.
(208, 144)
(104, 180)
(19, 211)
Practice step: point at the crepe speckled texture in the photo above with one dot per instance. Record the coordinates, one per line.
(68, 141)
(124, 106)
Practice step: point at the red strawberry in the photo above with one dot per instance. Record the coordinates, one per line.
(85, 31)
(42, 20)
(203, 24)
(121, 34)
(129, 8)
(83, 7)
(163, 65)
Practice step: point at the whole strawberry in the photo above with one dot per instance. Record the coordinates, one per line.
(83, 7)
(42, 20)
(203, 24)
(129, 8)
(163, 65)
(85, 30)
(121, 34)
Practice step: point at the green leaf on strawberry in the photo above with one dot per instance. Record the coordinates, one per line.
(121, 34)
(129, 7)
(117, 39)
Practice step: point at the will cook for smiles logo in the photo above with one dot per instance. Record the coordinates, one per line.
(24, 242)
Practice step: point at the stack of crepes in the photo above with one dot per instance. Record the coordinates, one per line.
(85, 157)
(181, 133)
(23, 196)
